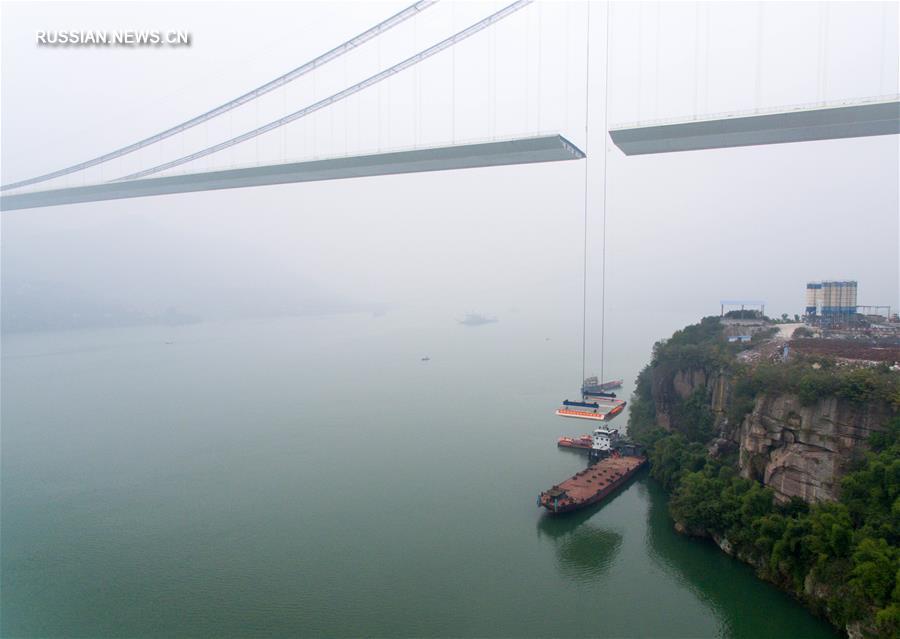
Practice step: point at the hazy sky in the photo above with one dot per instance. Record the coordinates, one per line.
(684, 230)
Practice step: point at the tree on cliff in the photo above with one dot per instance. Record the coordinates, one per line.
(847, 549)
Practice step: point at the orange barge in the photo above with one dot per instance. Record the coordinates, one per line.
(601, 409)
(591, 485)
(583, 442)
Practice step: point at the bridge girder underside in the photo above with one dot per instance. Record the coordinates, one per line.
(801, 125)
(551, 148)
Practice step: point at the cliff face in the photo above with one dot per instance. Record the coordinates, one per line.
(669, 390)
(798, 451)
(797, 423)
(803, 451)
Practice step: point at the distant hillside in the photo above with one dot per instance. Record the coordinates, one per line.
(47, 306)
(133, 270)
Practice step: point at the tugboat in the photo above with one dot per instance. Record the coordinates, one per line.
(602, 442)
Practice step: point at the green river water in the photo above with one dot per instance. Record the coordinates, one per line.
(311, 476)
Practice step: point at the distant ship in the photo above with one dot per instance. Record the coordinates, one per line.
(426, 359)
(474, 319)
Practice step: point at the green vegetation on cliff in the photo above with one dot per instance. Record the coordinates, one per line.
(702, 347)
(841, 558)
(698, 346)
(812, 380)
(694, 346)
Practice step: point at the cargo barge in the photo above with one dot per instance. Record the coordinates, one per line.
(591, 485)
(592, 395)
(612, 463)
(601, 409)
(594, 385)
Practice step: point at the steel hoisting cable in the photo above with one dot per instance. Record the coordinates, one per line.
(587, 102)
(337, 97)
(492, 88)
(566, 76)
(540, 57)
(760, 17)
(640, 57)
(453, 82)
(706, 62)
(696, 57)
(825, 51)
(280, 81)
(605, 171)
(656, 62)
(526, 32)
(883, 48)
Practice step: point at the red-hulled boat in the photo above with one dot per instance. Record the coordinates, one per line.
(574, 442)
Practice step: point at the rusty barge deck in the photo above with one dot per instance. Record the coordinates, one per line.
(591, 485)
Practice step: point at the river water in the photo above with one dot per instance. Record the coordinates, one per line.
(311, 476)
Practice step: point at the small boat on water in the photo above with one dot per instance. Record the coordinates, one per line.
(583, 442)
(426, 359)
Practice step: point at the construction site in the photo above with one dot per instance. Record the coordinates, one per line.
(833, 304)
(833, 326)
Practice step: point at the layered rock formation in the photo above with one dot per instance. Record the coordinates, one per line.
(798, 451)
(803, 451)
(669, 390)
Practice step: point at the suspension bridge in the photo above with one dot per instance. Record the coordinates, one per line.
(858, 118)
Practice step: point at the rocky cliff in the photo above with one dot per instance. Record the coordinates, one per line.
(797, 450)
(803, 451)
(754, 426)
(670, 390)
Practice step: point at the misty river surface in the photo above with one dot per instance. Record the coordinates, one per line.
(312, 476)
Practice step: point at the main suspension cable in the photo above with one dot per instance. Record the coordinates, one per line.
(337, 97)
(280, 81)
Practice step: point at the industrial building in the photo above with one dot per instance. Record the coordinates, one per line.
(833, 300)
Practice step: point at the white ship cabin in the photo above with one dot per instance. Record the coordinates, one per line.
(603, 438)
